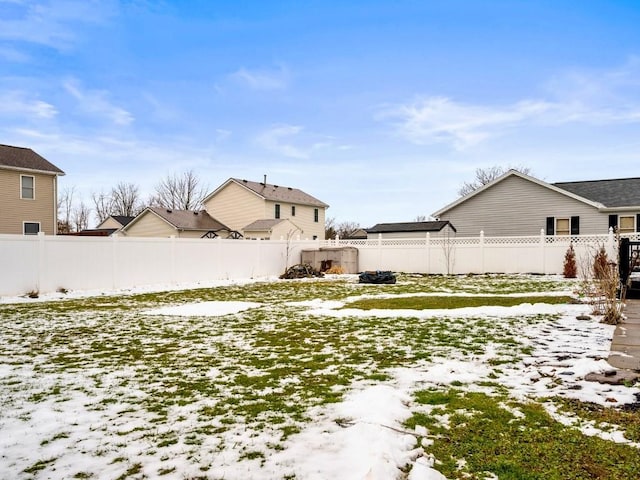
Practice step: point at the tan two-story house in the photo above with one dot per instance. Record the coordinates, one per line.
(266, 211)
(28, 192)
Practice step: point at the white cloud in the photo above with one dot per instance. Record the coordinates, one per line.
(13, 55)
(51, 23)
(17, 103)
(277, 79)
(273, 138)
(95, 102)
(600, 98)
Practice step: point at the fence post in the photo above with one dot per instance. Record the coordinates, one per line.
(482, 252)
(611, 238)
(428, 249)
(543, 254)
(114, 261)
(173, 258)
(41, 255)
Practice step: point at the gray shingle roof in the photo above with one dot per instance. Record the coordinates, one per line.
(25, 158)
(622, 192)
(122, 219)
(263, 225)
(189, 219)
(278, 193)
(435, 226)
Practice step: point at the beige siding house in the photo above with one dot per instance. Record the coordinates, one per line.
(516, 204)
(28, 192)
(240, 203)
(163, 222)
(277, 229)
(411, 230)
(115, 222)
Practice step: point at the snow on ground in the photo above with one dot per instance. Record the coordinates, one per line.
(204, 309)
(360, 438)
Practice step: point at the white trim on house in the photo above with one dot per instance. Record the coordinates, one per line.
(510, 173)
(24, 224)
(33, 187)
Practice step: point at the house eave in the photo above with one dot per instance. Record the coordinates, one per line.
(508, 174)
(620, 209)
(32, 170)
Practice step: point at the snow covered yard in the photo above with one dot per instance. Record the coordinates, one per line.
(286, 380)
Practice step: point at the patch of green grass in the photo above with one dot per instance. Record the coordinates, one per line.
(482, 436)
(40, 465)
(131, 471)
(261, 370)
(449, 302)
(624, 419)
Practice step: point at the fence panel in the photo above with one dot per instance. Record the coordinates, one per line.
(46, 263)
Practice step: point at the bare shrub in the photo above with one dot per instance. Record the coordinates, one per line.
(337, 270)
(570, 268)
(607, 282)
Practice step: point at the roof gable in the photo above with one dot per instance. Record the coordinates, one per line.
(25, 159)
(434, 226)
(509, 174)
(274, 193)
(182, 219)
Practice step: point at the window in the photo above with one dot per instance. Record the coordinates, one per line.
(293, 210)
(31, 228)
(277, 210)
(624, 223)
(315, 215)
(627, 224)
(562, 226)
(27, 187)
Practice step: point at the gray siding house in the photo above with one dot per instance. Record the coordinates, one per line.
(516, 204)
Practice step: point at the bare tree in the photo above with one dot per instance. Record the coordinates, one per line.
(81, 214)
(103, 205)
(180, 191)
(330, 228)
(488, 175)
(125, 200)
(65, 209)
(346, 229)
(420, 218)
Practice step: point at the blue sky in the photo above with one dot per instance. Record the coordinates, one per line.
(382, 109)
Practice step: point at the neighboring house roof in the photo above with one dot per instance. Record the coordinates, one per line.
(273, 193)
(357, 234)
(621, 192)
(123, 219)
(434, 226)
(556, 188)
(263, 225)
(267, 224)
(183, 219)
(25, 159)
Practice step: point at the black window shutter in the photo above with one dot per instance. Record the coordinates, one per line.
(551, 226)
(637, 222)
(575, 225)
(613, 221)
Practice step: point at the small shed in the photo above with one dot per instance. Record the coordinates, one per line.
(326, 257)
(439, 228)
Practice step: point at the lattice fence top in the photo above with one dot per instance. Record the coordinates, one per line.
(576, 240)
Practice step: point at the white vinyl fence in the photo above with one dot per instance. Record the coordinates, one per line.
(45, 263)
(49, 263)
(539, 254)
